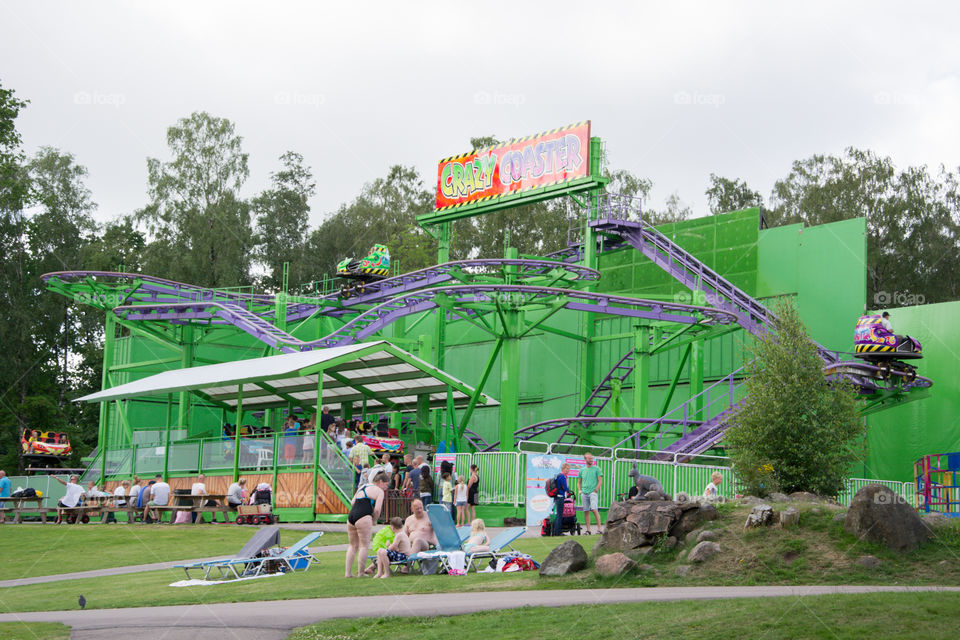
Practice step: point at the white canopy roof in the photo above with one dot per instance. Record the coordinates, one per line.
(387, 376)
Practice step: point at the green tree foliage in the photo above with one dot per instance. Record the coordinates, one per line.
(282, 217)
(725, 195)
(200, 228)
(791, 419)
(912, 219)
(46, 226)
(385, 212)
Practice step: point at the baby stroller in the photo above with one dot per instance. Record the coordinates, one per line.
(568, 524)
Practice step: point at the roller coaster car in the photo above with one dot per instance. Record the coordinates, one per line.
(878, 346)
(375, 266)
(44, 443)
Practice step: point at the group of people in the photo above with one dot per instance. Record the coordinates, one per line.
(143, 498)
(155, 493)
(413, 478)
(589, 481)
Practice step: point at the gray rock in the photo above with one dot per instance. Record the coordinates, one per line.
(708, 512)
(670, 542)
(789, 517)
(613, 564)
(760, 516)
(689, 521)
(748, 500)
(640, 552)
(702, 551)
(840, 517)
(879, 515)
(869, 562)
(706, 535)
(805, 496)
(778, 497)
(648, 568)
(617, 512)
(565, 558)
(683, 570)
(623, 537)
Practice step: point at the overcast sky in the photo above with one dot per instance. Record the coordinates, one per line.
(677, 90)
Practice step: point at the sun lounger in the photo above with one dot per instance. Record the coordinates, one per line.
(263, 539)
(290, 555)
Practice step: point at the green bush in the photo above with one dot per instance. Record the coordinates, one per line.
(808, 431)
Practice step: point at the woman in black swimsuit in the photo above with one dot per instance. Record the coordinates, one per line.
(473, 486)
(364, 511)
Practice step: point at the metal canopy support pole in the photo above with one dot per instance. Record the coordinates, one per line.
(346, 411)
(110, 333)
(696, 377)
(588, 329)
(510, 380)
(423, 417)
(318, 439)
(641, 370)
(236, 433)
(186, 360)
(443, 256)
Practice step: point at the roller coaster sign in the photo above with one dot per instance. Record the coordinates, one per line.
(553, 158)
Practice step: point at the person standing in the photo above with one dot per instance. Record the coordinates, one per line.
(589, 481)
(364, 511)
(325, 419)
(562, 490)
(4, 493)
(426, 486)
(309, 439)
(359, 457)
(473, 492)
(712, 490)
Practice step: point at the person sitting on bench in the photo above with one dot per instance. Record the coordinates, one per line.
(72, 498)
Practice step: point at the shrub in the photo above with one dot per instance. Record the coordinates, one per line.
(809, 432)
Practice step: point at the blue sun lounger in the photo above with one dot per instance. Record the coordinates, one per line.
(226, 567)
(296, 553)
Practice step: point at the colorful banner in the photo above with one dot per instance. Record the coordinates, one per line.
(541, 468)
(548, 158)
(385, 445)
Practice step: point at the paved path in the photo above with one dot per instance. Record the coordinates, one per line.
(274, 620)
(135, 568)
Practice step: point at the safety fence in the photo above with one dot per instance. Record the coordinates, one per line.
(502, 474)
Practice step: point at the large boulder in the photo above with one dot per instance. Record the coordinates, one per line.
(702, 551)
(879, 515)
(566, 558)
(613, 564)
(623, 537)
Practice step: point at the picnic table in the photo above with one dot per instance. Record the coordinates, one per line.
(19, 509)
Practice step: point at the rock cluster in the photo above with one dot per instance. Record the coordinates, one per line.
(633, 527)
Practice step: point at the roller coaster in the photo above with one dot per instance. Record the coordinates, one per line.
(469, 289)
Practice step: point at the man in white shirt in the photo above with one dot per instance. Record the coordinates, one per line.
(119, 500)
(885, 321)
(72, 497)
(159, 497)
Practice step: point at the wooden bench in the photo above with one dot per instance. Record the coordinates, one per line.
(42, 511)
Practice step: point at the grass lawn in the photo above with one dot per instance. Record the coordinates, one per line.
(815, 552)
(837, 617)
(34, 631)
(40, 550)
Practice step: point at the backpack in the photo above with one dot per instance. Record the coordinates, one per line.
(546, 527)
(551, 487)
